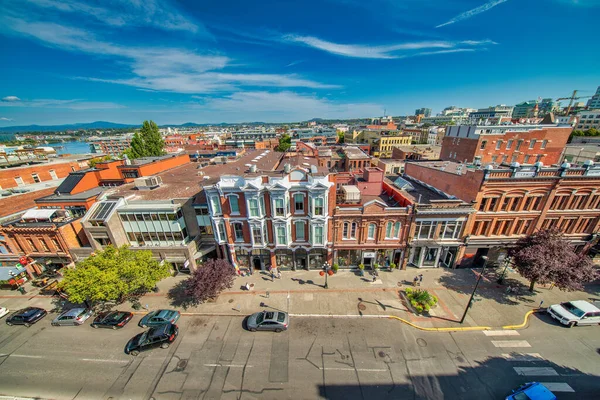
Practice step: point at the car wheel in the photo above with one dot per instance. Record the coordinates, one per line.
(164, 346)
(572, 324)
(27, 325)
(115, 327)
(278, 330)
(94, 326)
(9, 323)
(134, 352)
(144, 326)
(54, 324)
(252, 329)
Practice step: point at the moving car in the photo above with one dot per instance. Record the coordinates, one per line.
(160, 336)
(276, 321)
(578, 312)
(532, 391)
(3, 311)
(159, 317)
(26, 316)
(74, 316)
(112, 319)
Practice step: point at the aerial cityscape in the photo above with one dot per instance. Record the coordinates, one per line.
(315, 200)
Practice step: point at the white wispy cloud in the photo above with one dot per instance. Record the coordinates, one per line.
(399, 50)
(71, 104)
(9, 99)
(471, 13)
(160, 14)
(5, 119)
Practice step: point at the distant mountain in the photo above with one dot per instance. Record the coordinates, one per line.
(59, 128)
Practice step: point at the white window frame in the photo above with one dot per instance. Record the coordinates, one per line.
(277, 236)
(320, 198)
(235, 233)
(303, 225)
(281, 201)
(53, 174)
(371, 234)
(396, 229)
(220, 232)
(250, 208)
(237, 203)
(215, 205)
(315, 236)
(261, 234)
(301, 196)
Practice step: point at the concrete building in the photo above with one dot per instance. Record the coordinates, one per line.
(380, 142)
(515, 201)
(425, 112)
(483, 114)
(525, 109)
(526, 144)
(110, 145)
(416, 152)
(594, 102)
(588, 120)
(578, 153)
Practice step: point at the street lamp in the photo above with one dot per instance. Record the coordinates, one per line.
(19, 287)
(485, 259)
(326, 271)
(506, 264)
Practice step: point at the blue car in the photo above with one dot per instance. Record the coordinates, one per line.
(532, 391)
(159, 317)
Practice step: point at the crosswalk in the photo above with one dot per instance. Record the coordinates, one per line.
(499, 338)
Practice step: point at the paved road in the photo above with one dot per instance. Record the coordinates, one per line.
(215, 358)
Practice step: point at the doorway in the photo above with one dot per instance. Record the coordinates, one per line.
(256, 263)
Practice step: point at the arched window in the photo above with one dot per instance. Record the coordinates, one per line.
(353, 230)
(396, 229)
(388, 230)
(371, 232)
(345, 231)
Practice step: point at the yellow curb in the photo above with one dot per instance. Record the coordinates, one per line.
(524, 321)
(458, 329)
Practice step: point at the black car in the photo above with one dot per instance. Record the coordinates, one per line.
(112, 319)
(160, 336)
(26, 316)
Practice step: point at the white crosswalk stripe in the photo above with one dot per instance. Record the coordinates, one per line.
(535, 371)
(501, 333)
(558, 386)
(522, 356)
(511, 343)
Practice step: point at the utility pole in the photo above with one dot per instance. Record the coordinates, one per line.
(485, 260)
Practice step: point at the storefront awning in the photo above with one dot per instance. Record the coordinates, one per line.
(39, 214)
(5, 272)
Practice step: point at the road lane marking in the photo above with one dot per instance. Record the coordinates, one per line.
(353, 369)
(101, 360)
(501, 333)
(535, 371)
(522, 356)
(558, 386)
(25, 356)
(511, 343)
(228, 365)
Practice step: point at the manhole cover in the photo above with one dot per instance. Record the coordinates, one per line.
(460, 359)
(421, 342)
(362, 307)
(382, 354)
(181, 365)
(231, 300)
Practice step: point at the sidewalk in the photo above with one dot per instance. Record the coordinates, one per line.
(349, 295)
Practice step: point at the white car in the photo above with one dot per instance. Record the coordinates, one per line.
(578, 312)
(3, 311)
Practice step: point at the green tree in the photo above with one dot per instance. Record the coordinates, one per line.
(113, 274)
(340, 137)
(97, 160)
(148, 142)
(285, 142)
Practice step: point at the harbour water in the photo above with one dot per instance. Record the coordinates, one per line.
(74, 147)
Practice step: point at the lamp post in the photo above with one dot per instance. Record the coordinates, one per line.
(485, 259)
(15, 276)
(506, 264)
(326, 271)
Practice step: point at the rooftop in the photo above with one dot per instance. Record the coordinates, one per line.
(354, 152)
(20, 202)
(65, 197)
(148, 160)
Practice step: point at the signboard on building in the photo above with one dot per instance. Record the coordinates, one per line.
(369, 254)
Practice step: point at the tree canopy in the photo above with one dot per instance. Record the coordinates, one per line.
(546, 257)
(148, 142)
(113, 274)
(210, 279)
(285, 142)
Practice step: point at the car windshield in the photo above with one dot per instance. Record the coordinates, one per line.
(116, 316)
(142, 338)
(280, 317)
(164, 314)
(260, 318)
(572, 309)
(82, 313)
(521, 396)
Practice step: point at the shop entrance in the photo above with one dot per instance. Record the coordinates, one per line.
(368, 259)
(256, 263)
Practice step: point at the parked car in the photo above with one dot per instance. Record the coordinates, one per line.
(26, 316)
(276, 321)
(578, 312)
(532, 391)
(74, 316)
(159, 317)
(3, 311)
(160, 336)
(112, 319)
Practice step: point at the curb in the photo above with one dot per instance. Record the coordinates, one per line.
(525, 320)
(457, 329)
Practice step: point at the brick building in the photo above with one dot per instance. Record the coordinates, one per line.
(40, 172)
(512, 202)
(486, 144)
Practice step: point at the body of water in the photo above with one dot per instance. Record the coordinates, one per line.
(71, 147)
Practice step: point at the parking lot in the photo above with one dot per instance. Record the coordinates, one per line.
(216, 358)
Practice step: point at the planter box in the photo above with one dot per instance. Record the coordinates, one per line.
(409, 306)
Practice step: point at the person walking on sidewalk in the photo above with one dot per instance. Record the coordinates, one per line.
(416, 281)
(420, 279)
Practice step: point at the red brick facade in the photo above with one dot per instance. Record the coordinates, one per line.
(10, 177)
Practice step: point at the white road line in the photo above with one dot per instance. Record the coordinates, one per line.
(558, 386)
(101, 360)
(501, 333)
(337, 316)
(353, 369)
(511, 343)
(535, 371)
(522, 356)
(228, 365)
(25, 356)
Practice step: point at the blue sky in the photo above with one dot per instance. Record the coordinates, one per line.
(66, 61)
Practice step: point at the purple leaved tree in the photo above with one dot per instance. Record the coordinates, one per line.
(210, 279)
(546, 257)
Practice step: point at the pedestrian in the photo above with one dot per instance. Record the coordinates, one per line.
(278, 274)
(415, 281)
(420, 279)
(374, 278)
(272, 276)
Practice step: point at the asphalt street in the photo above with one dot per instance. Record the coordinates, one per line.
(328, 358)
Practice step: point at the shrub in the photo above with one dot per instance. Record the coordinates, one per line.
(393, 266)
(421, 300)
(335, 267)
(361, 266)
(210, 279)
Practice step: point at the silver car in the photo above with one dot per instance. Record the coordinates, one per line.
(578, 312)
(276, 321)
(74, 316)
